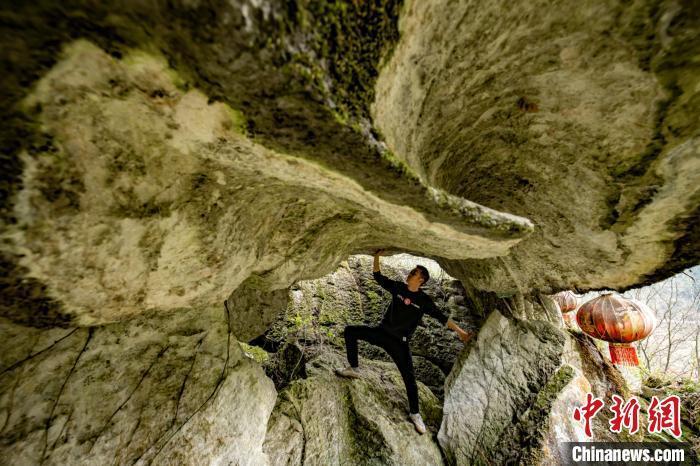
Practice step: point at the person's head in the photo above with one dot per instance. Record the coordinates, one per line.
(417, 277)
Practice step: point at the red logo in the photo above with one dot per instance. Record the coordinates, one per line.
(406, 301)
(588, 411)
(625, 415)
(665, 415)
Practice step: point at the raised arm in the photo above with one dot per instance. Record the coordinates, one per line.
(376, 260)
(383, 281)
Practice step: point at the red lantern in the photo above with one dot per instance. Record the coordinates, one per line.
(619, 321)
(567, 303)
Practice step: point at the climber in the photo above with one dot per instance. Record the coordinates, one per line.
(402, 316)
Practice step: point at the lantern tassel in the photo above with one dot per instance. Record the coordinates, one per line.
(623, 354)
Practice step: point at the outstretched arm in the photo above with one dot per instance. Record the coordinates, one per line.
(464, 336)
(434, 312)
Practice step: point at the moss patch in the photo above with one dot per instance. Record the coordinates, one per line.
(256, 353)
(400, 166)
(524, 438)
(366, 437)
(351, 39)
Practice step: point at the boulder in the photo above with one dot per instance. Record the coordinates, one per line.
(170, 388)
(503, 382)
(328, 420)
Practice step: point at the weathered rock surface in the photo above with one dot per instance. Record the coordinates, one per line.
(582, 116)
(328, 420)
(500, 391)
(231, 146)
(158, 158)
(139, 167)
(594, 374)
(588, 372)
(511, 395)
(169, 389)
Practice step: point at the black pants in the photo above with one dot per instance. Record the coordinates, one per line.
(397, 349)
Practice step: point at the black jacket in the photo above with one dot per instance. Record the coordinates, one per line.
(407, 307)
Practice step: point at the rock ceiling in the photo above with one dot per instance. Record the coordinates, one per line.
(163, 158)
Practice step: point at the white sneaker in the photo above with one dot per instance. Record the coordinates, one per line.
(418, 422)
(349, 371)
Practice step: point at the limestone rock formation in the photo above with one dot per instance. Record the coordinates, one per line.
(139, 167)
(509, 366)
(324, 419)
(160, 389)
(580, 116)
(588, 372)
(159, 158)
(239, 145)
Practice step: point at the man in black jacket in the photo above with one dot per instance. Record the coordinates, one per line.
(408, 304)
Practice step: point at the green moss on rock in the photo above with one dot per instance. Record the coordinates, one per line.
(400, 166)
(351, 39)
(256, 353)
(525, 437)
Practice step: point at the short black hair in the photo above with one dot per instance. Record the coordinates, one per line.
(424, 273)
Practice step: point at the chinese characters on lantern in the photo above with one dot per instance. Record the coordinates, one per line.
(663, 415)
